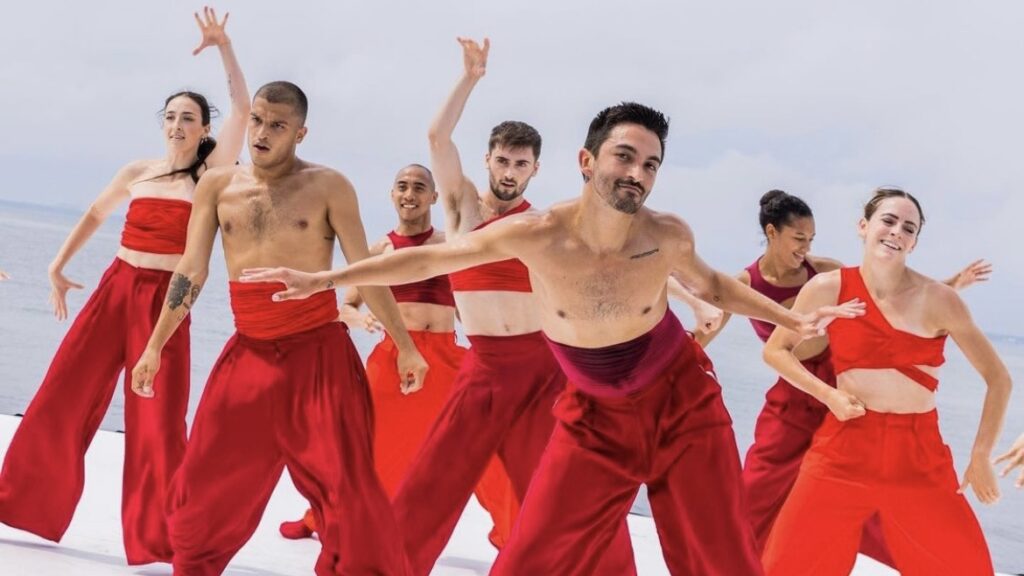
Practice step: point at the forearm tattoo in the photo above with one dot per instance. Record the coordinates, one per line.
(330, 284)
(644, 254)
(182, 293)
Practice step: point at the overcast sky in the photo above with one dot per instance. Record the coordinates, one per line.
(824, 100)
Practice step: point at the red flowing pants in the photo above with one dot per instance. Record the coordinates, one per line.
(782, 436)
(402, 422)
(301, 402)
(501, 404)
(676, 436)
(44, 471)
(894, 465)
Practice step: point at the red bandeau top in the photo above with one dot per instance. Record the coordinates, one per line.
(156, 225)
(505, 276)
(258, 316)
(777, 293)
(871, 342)
(436, 290)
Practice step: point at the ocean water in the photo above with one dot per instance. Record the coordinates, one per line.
(30, 236)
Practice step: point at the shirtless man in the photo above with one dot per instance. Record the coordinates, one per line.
(639, 408)
(288, 389)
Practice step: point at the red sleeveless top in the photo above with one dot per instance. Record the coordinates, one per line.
(436, 290)
(505, 276)
(777, 293)
(871, 342)
(156, 225)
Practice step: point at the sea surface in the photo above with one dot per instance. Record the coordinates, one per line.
(30, 236)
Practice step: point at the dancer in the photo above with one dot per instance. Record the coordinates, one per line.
(428, 311)
(1014, 458)
(790, 417)
(879, 450)
(640, 406)
(289, 388)
(43, 472)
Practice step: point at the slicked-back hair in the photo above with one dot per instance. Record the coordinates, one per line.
(780, 209)
(514, 134)
(283, 92)
(883, 193)
(625, 113)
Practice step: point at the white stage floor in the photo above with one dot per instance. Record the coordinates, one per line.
(92, 545)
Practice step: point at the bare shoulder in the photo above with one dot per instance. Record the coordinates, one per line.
(218, 178)
(324, 178)
(938, 294)
(823, 264)
(381, 246)
(744, 277)
(825, 285)
(136, 169)
(438, 237)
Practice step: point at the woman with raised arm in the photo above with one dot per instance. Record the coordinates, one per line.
(43, 472)
(790, 417)
(879, 450)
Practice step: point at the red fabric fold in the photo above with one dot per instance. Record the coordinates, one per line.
(436, 290)
(505, 276)
(156, 225)
(258, 316)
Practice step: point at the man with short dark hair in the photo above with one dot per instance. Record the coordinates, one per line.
(640, 407)
(289, 389)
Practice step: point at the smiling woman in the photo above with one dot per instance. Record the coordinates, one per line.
(42, 476)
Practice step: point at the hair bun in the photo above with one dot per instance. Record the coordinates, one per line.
(772, 195)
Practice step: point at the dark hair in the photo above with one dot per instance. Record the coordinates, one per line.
(780, 209)
(884, 193)
(625, 113)
(513, 134)
(283, 92)
(206, 145)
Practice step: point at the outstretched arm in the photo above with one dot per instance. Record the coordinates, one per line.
(115, 193)
(955, 318)
(231, 137)
(458, 194)
(187, 280)
(343, 214)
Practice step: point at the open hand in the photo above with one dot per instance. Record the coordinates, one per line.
(977, 271)
(213, 31)
(981, 476)
(814, 324)
(474, 57)
(59, 286)
(299, 285)
(1013, 458)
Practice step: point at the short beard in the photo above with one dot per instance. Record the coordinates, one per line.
(625, 204)
(505, 196)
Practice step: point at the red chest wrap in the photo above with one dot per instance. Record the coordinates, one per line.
(623, 368)
(505, 276)
(436, 290)
(156, 225)
(259, 317)
(777, 293)
(871, 342)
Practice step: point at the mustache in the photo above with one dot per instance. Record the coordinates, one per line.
(622, 182)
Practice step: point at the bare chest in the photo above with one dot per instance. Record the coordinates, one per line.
(257, 213)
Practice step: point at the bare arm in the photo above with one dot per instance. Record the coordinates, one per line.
(187, 280)
(343, 214)
(231, 137)
(977, 271)
(352, 301)
(111, 196)
(707, 318)
(822, 290)
(458, 194)
(956, 320)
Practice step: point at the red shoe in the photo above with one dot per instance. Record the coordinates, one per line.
(295, 530)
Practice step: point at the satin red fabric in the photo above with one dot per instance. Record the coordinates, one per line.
(501, 403)
(436, 290)
(676, 437)
(893, 465)
(258, 316)
(43, 472)
(301, 402)
(504, 276)
(156, 225)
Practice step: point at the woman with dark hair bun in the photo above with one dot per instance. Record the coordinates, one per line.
(879, 451)
(790, 417)
(43, 472)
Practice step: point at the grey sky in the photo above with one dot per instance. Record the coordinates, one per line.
(825, 100)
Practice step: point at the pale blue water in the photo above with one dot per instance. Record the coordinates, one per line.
(30, 236)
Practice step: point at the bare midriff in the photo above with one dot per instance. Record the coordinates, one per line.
(421, 317)
(486, 313)
(148, 260)
(887, 390)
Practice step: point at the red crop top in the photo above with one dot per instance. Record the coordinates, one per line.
(436, 290)
(156, 225)
(871, 342)
(777, 293)
(505, 276)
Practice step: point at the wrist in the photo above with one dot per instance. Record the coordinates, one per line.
(981, 453)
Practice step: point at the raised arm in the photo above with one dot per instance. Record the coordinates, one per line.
(115, 193)
(231, 137)
(458, 194)
(188, 278)
(822, 290)
(955, 318)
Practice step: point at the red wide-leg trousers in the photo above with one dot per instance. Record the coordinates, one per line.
(501, 404)
(892, 465)
(301, 402)
(44, 470)
(674, 435)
